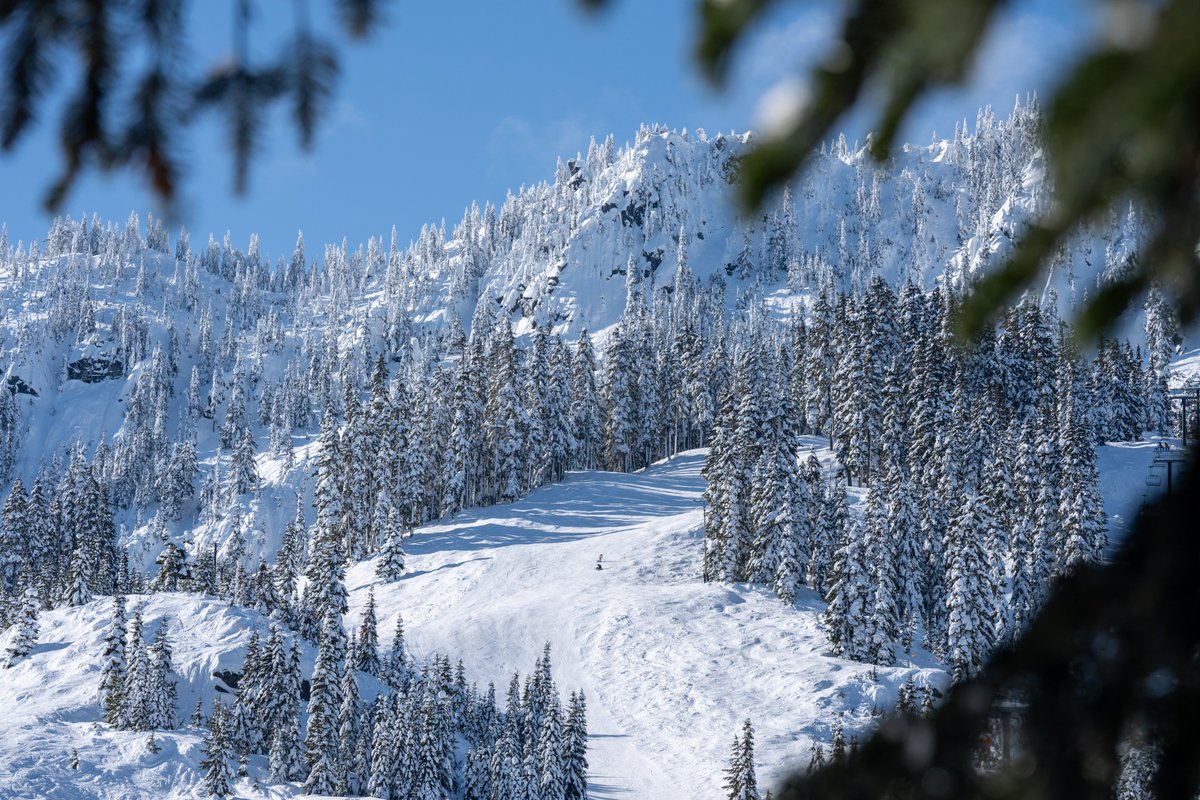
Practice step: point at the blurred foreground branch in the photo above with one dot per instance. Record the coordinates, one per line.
(139, 90)
(1121, 127)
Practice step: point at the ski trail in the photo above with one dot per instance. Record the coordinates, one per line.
(496, 584)
(670, 665)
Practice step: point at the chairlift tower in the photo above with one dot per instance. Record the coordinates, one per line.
(1189, 401)
(1165, 459)
(1009, 710)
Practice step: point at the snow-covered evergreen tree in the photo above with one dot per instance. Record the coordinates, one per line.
(366, 655)
(1160, 345)
(575, 740)
(972, 595)
(397, 668)
(325, 699)
(135, 692)
(740, 780)
(390, 566)
(162, 713)
(850, 598)
(286, 755)
(25, 629)
(325, 592)
(112, 671)
(215, 763)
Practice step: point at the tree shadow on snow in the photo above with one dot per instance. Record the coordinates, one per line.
(583, 505)
(48, 647)
(415, 573)
(602, 790)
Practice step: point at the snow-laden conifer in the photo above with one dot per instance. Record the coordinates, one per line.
(25, 629)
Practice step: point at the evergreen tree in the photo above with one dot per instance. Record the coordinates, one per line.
(767, 519)
(14, 534)
(172, 569)
(286, 755)
(880, 549)
(1081, 510)
(477, 774)
(112, 674)
(828, 529)
(77, 593)
(325, 700)
(161, 694)
(740, 780)
(25, 629)
(816, 758)
(1160, 346)
(575, 746)
(820, 366)
(1026, 476)
(397, 668)
(367, 653)
(506, 776)
(390, 566)
(243, 470)
(847, 615)
(1139, 759)
(1047, 527)
(386, 756)
(215, 764)
(972, 596)
(621, 398)
(135, 693)
(327, 555)
(722, 471)
(290, 557)
(348, 732)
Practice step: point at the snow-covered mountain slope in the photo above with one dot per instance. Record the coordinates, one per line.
(938, 213)
(1185, 370)
(84, 313)
(670, 664)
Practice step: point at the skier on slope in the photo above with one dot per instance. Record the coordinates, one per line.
(600, 562)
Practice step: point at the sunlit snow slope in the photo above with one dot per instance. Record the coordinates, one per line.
(670, 665)
(49, 703)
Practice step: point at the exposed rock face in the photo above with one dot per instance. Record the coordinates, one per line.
(18, 386)
(94, 370)
(227, 682)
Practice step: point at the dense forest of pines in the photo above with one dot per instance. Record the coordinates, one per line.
(979, 463)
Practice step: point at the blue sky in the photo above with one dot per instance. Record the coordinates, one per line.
(457, 101)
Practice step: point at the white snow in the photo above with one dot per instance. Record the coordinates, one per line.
(1185, 370)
